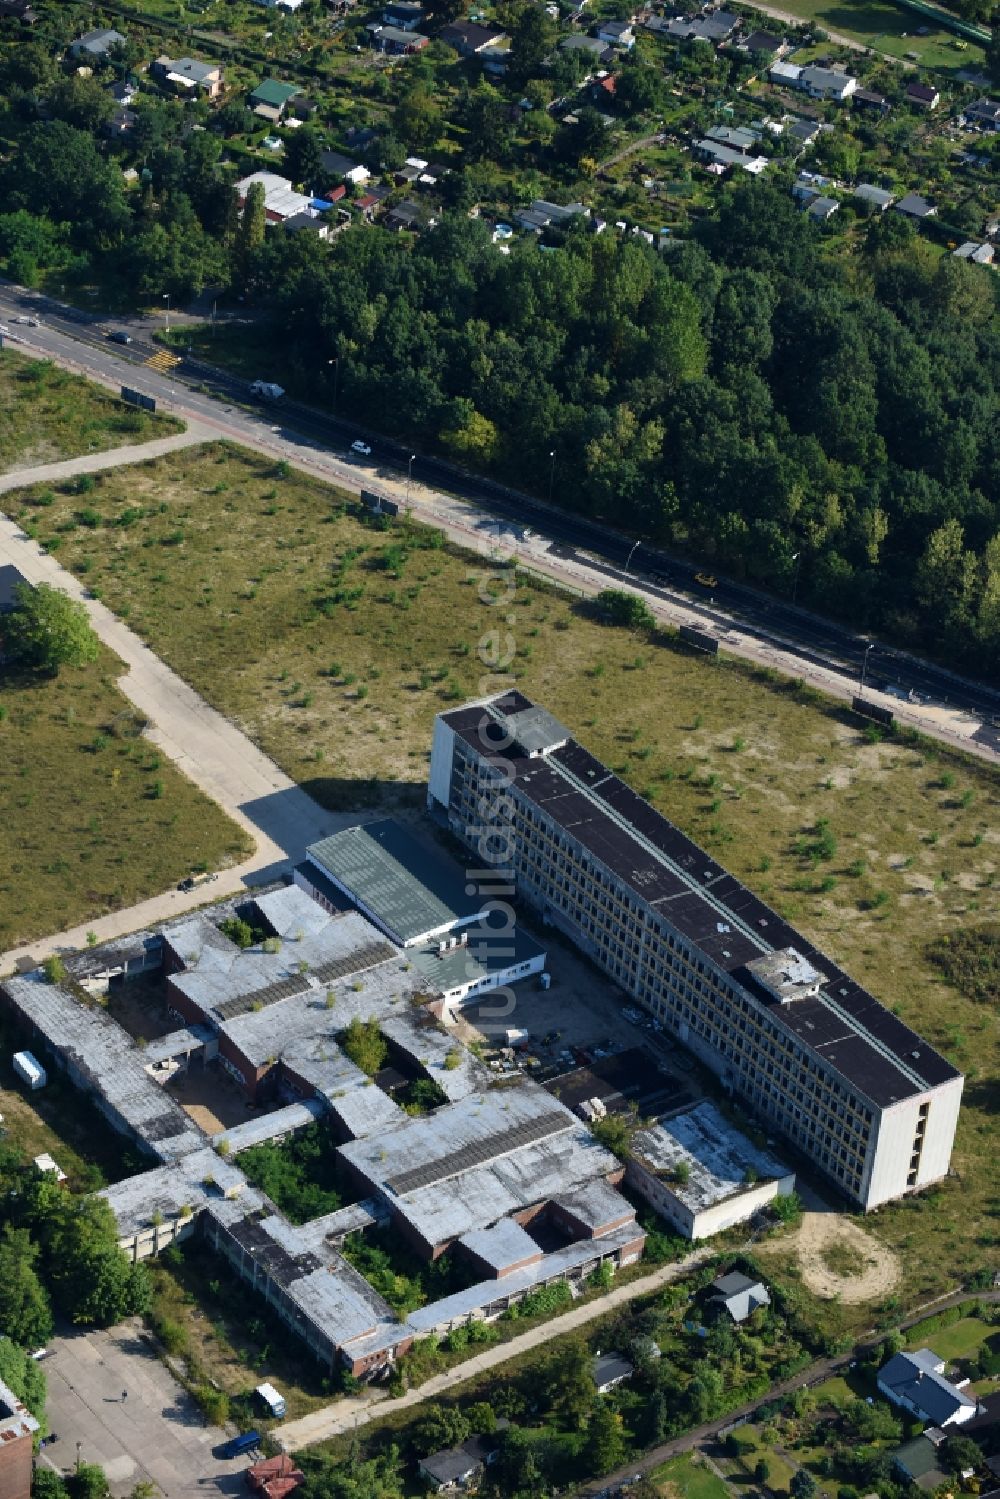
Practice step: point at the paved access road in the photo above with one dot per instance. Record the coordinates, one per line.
(156, 1435)
(479, 513)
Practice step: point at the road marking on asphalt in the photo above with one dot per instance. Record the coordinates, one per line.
(163, 361)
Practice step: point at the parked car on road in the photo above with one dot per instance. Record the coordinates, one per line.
(361, 447)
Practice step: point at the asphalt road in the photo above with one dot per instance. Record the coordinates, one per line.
(214, 395)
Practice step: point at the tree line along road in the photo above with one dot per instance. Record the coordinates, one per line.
(955, 710)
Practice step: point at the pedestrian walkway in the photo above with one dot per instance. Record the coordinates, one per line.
(92, 463)
(347, 1415)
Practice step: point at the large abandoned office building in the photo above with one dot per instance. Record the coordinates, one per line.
(864, 1098)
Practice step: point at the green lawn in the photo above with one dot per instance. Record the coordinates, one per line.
(841, 1389)
(887, 28)
(47, 414)
(333, 644)
(92, 816)
(961, 1340)
(687, 1477)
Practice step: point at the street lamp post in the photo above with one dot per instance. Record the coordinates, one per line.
(409, 476)
(797, 559)
(166, 298)
(631, 554)
(869, 647)
(552, 473)
(336, 378)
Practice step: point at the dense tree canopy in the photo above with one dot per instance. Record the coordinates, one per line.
(741, 396)
(47, 629)
(791, 415)
(76, 1249)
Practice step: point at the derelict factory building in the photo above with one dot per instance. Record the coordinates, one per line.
(865, 1098)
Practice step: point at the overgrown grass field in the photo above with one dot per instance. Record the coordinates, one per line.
(334, 644)
(92, 816)
(47, 414)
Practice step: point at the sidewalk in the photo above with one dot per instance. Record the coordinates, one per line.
(347, 1415)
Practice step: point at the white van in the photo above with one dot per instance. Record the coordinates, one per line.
(272, 1399)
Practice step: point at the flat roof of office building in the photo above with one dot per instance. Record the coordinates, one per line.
(105, 1058)
(661, 867)
(192, 1182)
(721, 1161)
(407, 887)
(473, 1162)
(487, 949)
(501, 1245)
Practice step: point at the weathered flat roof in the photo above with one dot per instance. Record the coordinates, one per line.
(105, 1059)
(408, 888)
(455, 1070)
(551, 1267)
(596, 1203)
(662, 868)
(264, 1127)
(486, 950)
(716, 1154)
(503, 1244)
(167, 1189)
(473, 1162)
(227, 982)
(177, 1044)
(15, 1418)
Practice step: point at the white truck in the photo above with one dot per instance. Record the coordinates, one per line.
(30, 1070)
(264, 390)
(272, 1399)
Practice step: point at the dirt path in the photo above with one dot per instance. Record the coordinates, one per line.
(347, 1415)
(835, 36)
(823, 1234)
(629, 150)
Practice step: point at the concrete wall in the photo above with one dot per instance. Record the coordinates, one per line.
(710, 1220)
(146, 1242)
(442, 753)
(895, 1135)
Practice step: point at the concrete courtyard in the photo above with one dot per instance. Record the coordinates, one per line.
(155, 1435)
